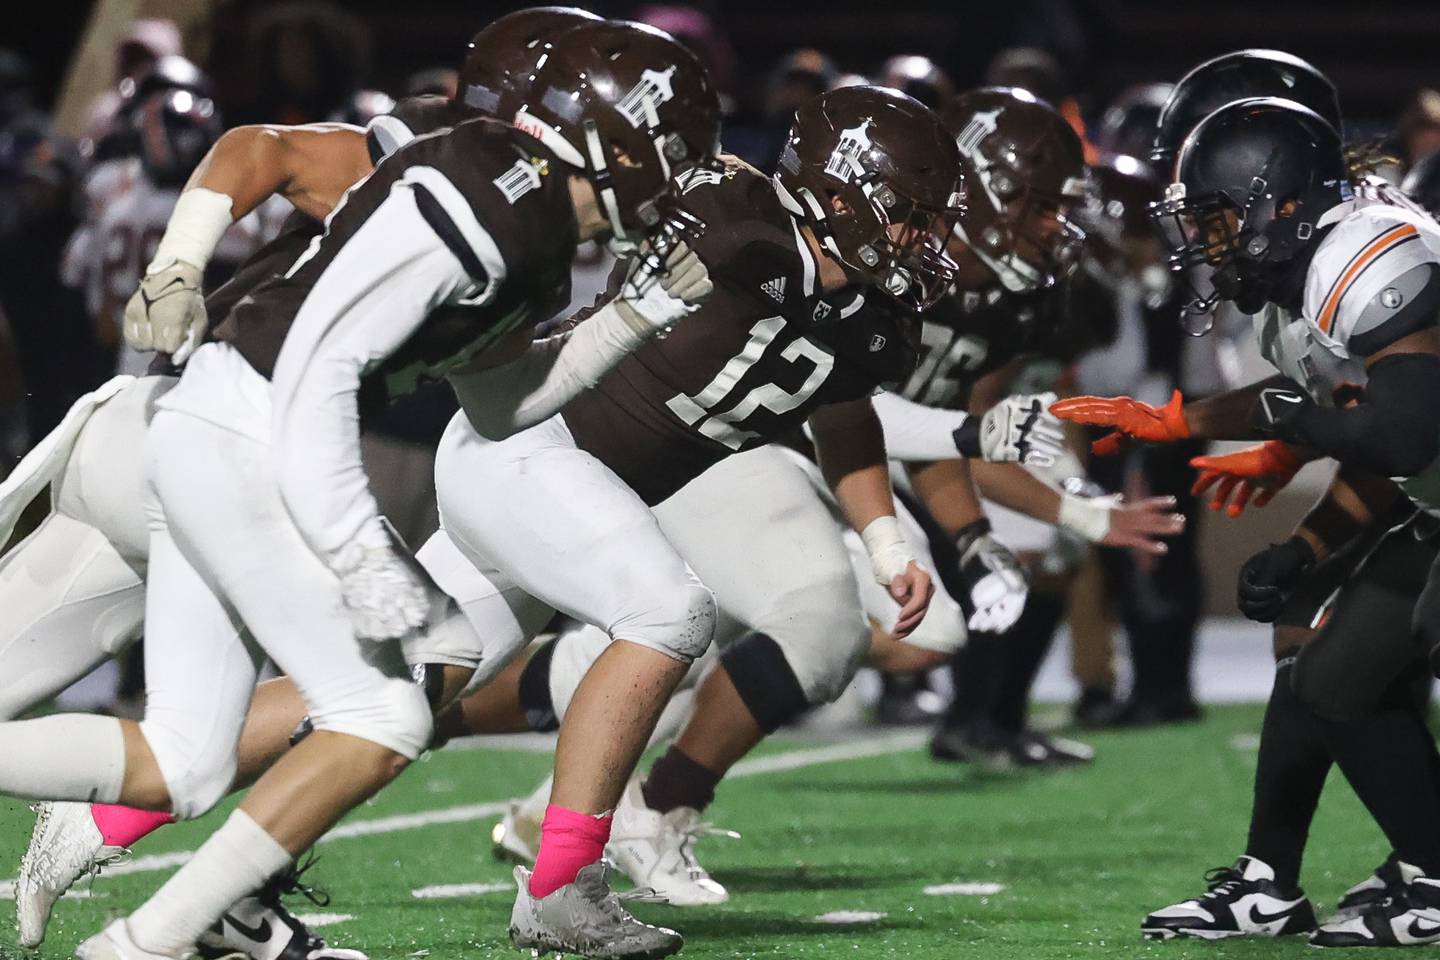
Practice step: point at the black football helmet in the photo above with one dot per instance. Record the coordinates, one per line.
(1237, 76)
(1127, 127)
(175, 129)
(1252, 180)
(877, 176)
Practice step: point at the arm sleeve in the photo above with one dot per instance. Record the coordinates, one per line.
(915, 432)
(502, 400)
(370, 299)
(1395, 432)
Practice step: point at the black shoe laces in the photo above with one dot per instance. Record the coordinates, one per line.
(288, 882)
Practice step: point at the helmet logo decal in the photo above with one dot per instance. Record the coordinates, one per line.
(520, 179)
(844, 163)
(638, 106)
(980, 126)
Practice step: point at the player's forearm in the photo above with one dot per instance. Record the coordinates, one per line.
(1354, 501)
(915, 432)
(947, 489)
(1226, 416)
(506, 398)
(851, 450)
(1012, 486)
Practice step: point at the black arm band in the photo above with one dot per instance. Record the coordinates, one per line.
(1395, 432)
(967, 438)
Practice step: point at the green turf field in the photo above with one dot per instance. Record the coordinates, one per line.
(1081, 854)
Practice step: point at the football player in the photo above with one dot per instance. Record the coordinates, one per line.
(94, 465)
(447, 224)
(792, 631)
(1342, 280)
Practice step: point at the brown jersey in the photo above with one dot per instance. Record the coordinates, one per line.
(767, 348)
(507, 183)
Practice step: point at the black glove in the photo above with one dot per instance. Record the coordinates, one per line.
(1267, 579)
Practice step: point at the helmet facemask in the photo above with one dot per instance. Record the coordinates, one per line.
(1023, 234)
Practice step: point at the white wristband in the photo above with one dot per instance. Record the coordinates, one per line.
(199, 220)
(1087, 516)
(885, 545)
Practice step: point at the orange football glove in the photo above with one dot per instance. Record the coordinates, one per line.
(1257, 471)
(1131, 419)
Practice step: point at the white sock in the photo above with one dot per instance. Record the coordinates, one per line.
(236, 860)
(70, 756)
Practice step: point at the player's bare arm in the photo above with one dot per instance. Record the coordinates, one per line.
(851, 451)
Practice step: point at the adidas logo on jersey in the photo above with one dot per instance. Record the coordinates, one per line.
(775, 288)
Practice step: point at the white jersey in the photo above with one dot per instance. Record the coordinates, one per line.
(1356, 280)
(126, 216)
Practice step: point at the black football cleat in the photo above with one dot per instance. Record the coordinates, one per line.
(1241, 901)
(1409, 917)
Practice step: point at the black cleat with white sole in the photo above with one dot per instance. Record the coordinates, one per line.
(260, 928)
(1241, 901)
(1380, 886)
(1410, 917)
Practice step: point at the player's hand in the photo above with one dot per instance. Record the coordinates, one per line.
(1021, 429)
(995, 584)
(167, 313)
(382, 592)
(658, 294)
(912, 589)
(1252, 475)
(1131, 419)
(1267, 578)
(1140, 525)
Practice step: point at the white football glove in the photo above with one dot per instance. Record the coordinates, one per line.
(167, 313)
(383, 595)
(1021, 429)
(655, 298)
(995, 582)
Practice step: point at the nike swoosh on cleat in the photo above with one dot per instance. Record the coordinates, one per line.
(1416, 930)
(1257, 917)
(260, 934)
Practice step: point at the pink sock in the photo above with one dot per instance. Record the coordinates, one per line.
(569, 842)
(122, 826)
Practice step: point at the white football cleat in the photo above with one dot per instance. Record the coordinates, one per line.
(64, 846)
(657, 850)
(585, 918)
(114, 943)
(516, 838)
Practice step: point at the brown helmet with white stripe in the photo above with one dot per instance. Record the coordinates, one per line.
(630, 108)
(876, 175)
(1025, 168)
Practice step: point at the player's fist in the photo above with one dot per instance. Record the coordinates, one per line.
(1267, 579)
(1257, 472)
(381, 590)
(1021, 429)
(167, 313)
(1131, 419)
(659, 292)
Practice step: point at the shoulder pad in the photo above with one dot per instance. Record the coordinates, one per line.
(1409, 303)
(1362, 257)
(412, 117)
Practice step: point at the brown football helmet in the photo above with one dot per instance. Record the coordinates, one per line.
(503, 55)
(877, 176)
(631, 108)
(1025, 168)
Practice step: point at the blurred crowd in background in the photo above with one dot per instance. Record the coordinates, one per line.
(70, 254)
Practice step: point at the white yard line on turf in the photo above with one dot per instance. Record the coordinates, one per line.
(778, 763)
(447, 891)
(313, 920)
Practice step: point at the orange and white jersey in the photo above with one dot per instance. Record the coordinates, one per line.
(1376, 260)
